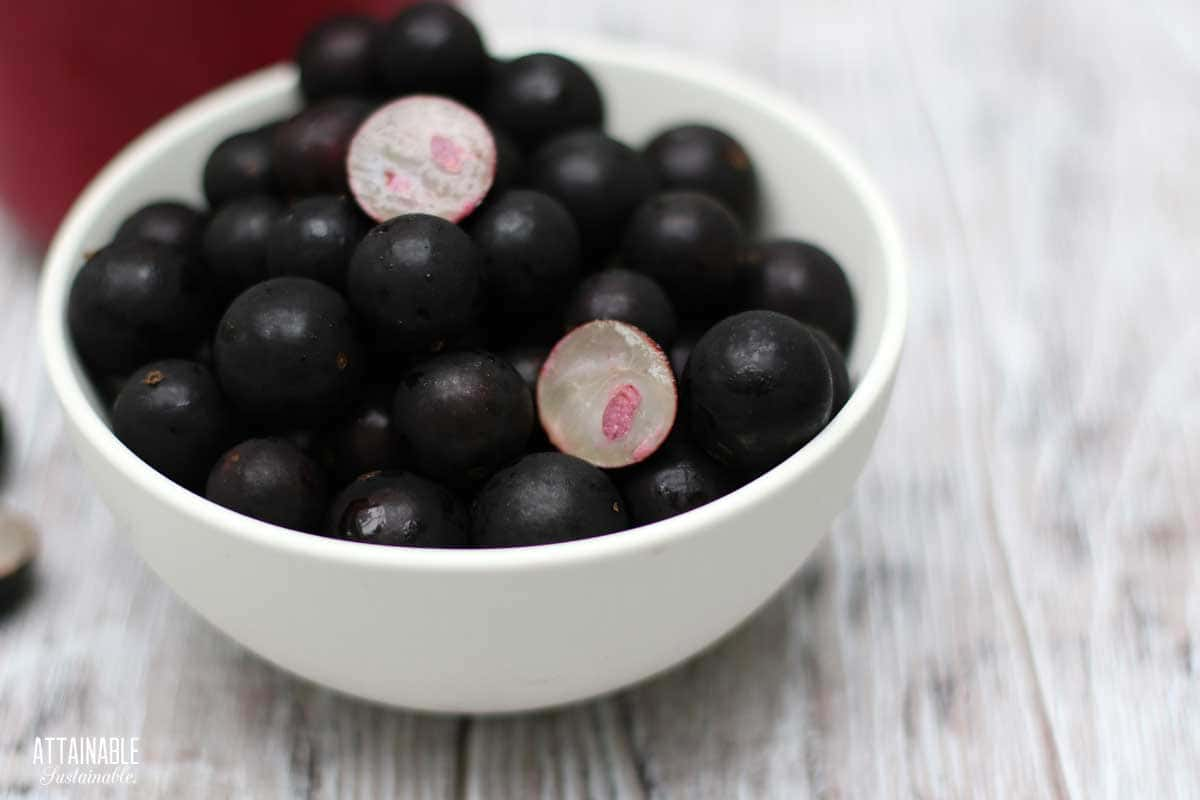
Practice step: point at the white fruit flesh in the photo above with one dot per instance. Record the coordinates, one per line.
(421, 155)
(606, 394)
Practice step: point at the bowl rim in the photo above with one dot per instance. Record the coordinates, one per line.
(68, 243)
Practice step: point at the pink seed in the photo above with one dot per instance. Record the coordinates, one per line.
(446, 154)
(618, 414)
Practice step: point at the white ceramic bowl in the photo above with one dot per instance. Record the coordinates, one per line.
(503, 630)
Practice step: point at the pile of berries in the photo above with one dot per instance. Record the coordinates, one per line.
(441, 307)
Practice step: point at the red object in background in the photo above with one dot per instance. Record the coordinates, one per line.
(80, 78)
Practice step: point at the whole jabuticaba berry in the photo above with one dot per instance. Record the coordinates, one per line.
(677, 478)
(462, 415)
(134, 301)
(627, 296)
(315, 237)
(837, 364)
(417, 281)
(691, 244)
(336, 57)
(599, 180)
(166, 222)
(286, 353)
(273, 480)
(530, 249)
(235, 242)
(546, 498)
(399, 509)
(803, 281)
(241, 166)
(432, 48)
(700, 158)
(363, 440)
(308, 150)
(172, 414)
(541, 95)
(758, 387)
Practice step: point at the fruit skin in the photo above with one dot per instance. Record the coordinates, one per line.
(315, 238)
(362, 441)
(527, 360)
(837, 364)
(691, 244)
(541, 95)
(676, 479)
(135, 301)
(599, 180)
(286, 353)
(417, 281)
(164, 222)
(546, 498)
(336, 57)
(680, 352)
(172, 415)
(272, 480)
(434, 48)
(398, 509)
(803, 281)
(309, 149)
(531, 252)
(758, 387)
(235, 242)
(703, 159)
(240, 166)
(628, 296)
(462, 415)
(510, 164)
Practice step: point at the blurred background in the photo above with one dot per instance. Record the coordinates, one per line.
(1009, 608)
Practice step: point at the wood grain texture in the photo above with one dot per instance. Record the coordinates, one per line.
(1010, 606)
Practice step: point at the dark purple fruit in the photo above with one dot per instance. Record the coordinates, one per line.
(336, 57)
(702, 159)
(678, 478)
(462, 415)
(546, 498)
(164, 222)
(240, 166)
(837, 364)
(362, 441)
(399, 509)
(309, 150)
(286, 353)
(803, 281)
(431, 48)
(627, 296)
(679, 353)
(598, 179)
(18, 552)
(135, 301)
(527, 360)
(541, 95)
(172, 415)
(758, 387)
(271, 480)
(691, 244)
(530, 249)
(315, 238)
(235, 242)
(417, 281)
(510, 163)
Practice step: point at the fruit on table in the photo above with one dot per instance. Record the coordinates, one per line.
(462, 415)
(399, 509)
(286, 352)
(417, 282)
(171, 413)
(626, 296)
(272, 480)
(546, 498)
(803, 281)
(18, 551)
(759, 387)
(607, 394)
(700, 158)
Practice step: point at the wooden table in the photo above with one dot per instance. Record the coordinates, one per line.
(1009, 608)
